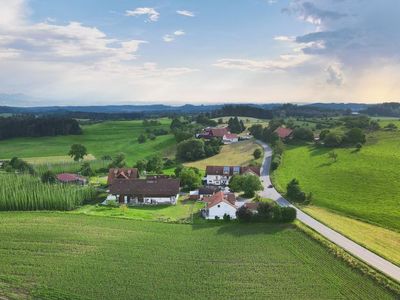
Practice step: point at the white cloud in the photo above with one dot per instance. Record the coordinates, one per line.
(284, 38)
(284, 62)
(152, 14)
(335, 75)
(185, 13)
(171, 37)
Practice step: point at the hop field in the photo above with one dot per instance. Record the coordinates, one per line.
(25, 192)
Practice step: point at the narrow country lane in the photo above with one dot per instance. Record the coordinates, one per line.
(353, 248)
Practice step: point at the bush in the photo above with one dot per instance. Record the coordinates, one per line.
(141, 139)
(48, 177)
(288, 214)
(243, 214)
(152, 136)
(86, 169)
(333, 140)
(257, 153)
(190, 150)
(226, 217)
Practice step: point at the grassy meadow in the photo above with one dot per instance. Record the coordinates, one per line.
(382, 241)
(65, 256)
(361, 184)
(237, 154)
(106, 138)
(181, 212)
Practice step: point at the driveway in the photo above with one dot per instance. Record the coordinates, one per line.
(353, 248)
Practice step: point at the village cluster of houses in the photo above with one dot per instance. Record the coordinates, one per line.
(220, 132)
(125, 187)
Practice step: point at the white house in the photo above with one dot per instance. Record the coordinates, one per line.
(218, 205)
(145, 191)
(230, 138)
(220, 175)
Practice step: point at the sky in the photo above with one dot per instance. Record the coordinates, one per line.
(74, 52)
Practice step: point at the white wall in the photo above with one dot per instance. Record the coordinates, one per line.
(220, 210)
(217, 180)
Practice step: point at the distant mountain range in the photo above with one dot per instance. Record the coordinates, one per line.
(29, 105)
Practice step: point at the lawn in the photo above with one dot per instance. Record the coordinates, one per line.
(382, 241)
(106, 138)
(182, 211)
(360, 184)
(65, 256)
(237, 154)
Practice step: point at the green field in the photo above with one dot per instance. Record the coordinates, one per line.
(106, 138)
(65, 256)
(360, 184)
(181, 212)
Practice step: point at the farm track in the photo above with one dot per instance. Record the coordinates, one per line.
(350, 246)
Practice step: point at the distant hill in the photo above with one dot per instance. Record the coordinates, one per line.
(355, 107)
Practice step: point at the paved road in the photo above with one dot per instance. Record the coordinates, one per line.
(355, 249)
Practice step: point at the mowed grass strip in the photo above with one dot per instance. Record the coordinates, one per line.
(382, 241)
(360, 184)
(106, 138)
(110, 258)
(237, 154)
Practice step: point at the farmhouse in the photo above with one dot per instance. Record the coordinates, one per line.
(218, 205)
(69, 178)
(122, 173)
(284, 133)
(220, 175)
(230, 138)
(145, 191)
(209, 133)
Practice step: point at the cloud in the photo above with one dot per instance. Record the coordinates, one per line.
(152, 14)
(284, 38)
(185, 13)
(335, 75)
(171, 37)
(284, 62)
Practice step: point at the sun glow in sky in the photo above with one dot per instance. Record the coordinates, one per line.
(209, 51)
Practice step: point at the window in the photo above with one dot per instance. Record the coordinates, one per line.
(219, 205)
(236, 170)
(226, 170)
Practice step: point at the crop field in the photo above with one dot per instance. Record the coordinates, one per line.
(68, 256)
(382, 241)
(361, 184)
(106, 138)
(24, 192)
(182, 211)
(237, 154)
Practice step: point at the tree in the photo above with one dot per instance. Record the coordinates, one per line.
(294, 192)
(142, 138)
(220, 121)
(155, 164)
(249, 184)
(86, 169)
(118, 161)
(257, 131)
(77, 152)
(176, 124)
(332, 139)
(257, 153)
(152, 136)
(333, 155)
(190, 150)
(48, 177)
(303, 134)
(141, 165)
(244, 214)
(190, 178)
(323, 134)
(354, 136)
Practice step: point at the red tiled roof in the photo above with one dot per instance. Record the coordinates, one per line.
(68, 177)
(219, 132)
(122, 173)
(251, 205)
(220, 197)
(283, 132)
(219, 170)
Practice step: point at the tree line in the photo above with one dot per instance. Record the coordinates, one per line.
(29, 126)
